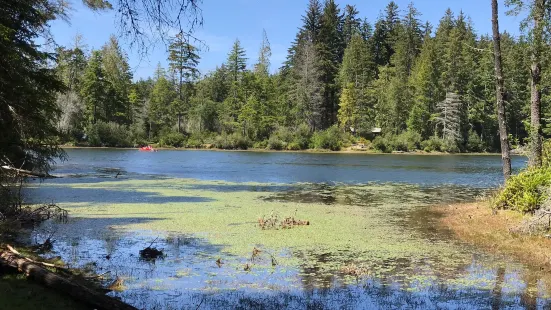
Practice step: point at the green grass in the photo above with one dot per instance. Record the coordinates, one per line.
(16, 292)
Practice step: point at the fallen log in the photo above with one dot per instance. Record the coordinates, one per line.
(49, 279)
(28, 172)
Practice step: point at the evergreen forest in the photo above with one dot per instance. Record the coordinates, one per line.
(394, 84)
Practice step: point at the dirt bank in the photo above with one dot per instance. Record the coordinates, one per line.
(477, 224)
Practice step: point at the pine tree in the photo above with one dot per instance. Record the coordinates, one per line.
(355, 76)
(312, 20)
(71, 63)
(95, 89)
(357, 65)
(236, 66)
(330, 51)
(118, 79)
(348, 108)
(366, 30)
(237, 61)
(183, 60)
(28, 87)
(426, 89)
(385, 35)
(160, 100)
(449, 118)
(352, 24)
(306, 89)
(262, 67)
(411, 37)
(378, 45)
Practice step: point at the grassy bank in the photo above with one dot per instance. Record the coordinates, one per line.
(18, 292)
(477, 224)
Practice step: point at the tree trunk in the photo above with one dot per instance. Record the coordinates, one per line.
(535, 159)
(503, 136)
(60, 284)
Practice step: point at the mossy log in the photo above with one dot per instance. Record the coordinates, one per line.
(39, 274)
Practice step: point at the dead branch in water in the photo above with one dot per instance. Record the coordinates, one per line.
(12, 259)
(273, 222)
(151, 253)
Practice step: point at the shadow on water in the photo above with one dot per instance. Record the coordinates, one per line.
(189, 278)
(115, 195)
(228, 188)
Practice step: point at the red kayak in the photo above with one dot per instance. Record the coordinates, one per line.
(148, 148)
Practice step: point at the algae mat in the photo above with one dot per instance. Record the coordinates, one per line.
(210, 235)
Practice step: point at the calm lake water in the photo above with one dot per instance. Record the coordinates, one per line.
(367, 213)
(272, 167)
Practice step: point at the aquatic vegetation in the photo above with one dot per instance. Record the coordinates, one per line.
(273, 222)
(357, 235)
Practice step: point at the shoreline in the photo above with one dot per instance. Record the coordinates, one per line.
(308, 151)
(476, 224)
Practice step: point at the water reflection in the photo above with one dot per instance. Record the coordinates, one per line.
(189, 276)
(372, 195)
(196, 273)
(473, 171)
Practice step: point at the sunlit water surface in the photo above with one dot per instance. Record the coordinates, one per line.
(367, 212)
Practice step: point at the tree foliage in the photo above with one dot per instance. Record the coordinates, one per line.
(435, 88)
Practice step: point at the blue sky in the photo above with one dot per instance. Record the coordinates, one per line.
(226, 20)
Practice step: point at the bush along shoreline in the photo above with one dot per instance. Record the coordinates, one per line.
(300, 138)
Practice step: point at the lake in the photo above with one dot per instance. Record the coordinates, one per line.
(217, 217)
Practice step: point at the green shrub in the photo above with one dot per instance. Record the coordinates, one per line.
(526, 191)
(195, 141)
(108, 134)
(434, 144)
(412, 139)
(284, 134)
(275, 143)
(450, 147)
(261, 144)
(382, 144)
(347, 139)
(330, 139)
(399, 143)
(407, 141)
(172, 139)
(302, 137)
(293, 146)
(138, 135)
(234, 141)
(474, 143)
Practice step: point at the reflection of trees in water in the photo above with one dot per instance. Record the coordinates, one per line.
(498, 288)
(111, 242)
(312, 275)
(397, 276)
(375, 195)
(529, 298)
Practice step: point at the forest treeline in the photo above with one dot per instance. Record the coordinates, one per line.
(423, 87)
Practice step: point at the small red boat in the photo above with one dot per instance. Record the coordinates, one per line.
(148, 148)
